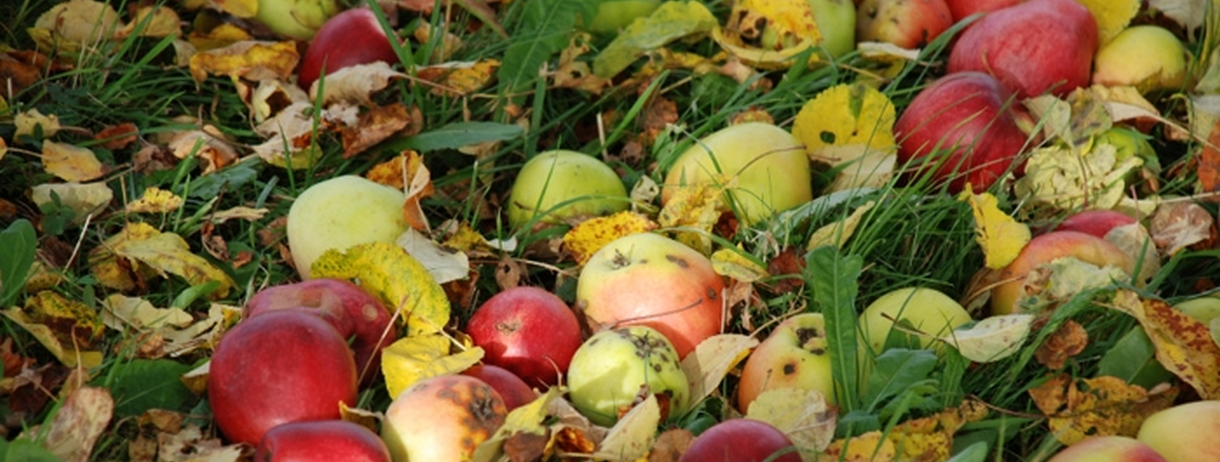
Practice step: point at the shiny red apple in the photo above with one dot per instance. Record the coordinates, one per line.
(527, 330)
(963, 8)
(347, 39)
(321, 441)
(741, 440)
(1095, 222)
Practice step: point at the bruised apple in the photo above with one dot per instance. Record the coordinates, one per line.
(926, 310)
(558, 185)
(511, 388)
(340, 213)
(528, 331)
(1184, 433)
(1046, 248)
(741, 440)
(794, 355)
(651, 280)
(765, 167)
(350, 38)
(613, 366)
(442, 419)
(909, 24)
(279, 367)
(321, 441)
(1108, 449)
(352, 311)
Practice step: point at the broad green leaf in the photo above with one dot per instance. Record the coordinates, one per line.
(25, 450)
(1133, 358)
(456, 135)
(18, 244)
(394, 276)
(542, 32)
(833, 280)
(976, 452)
(669, 22)
(896, 371)
(149, 384)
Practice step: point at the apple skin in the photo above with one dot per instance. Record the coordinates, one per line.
(1108, 449)
(836, 20)
(613, 366)
(770, 165)
(971, 117)
(1031, 47)
(342, 212)
(587, 185)
(1095, 222)
(963, 8)
(741, 440)
(350, 309)
(794, 355)
(1202, 309)
(442, 419)
(928, 310)
(347, 39)
(1184, 433)
(651, 280)
(1146, 57)
(511, 388)
(279, 367)
(909, 24)
(321, 441)
(1046, 248)
(529, 331)
(617, 14)
(298, 19)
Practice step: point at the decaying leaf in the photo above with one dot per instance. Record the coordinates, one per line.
(117, 136)
(33, 123)
(51, 319)
(526, 419)
(1178, 225)
(191, 444)
(444, 264)
(374, 126)
(392, 275)
(418, 186)
(839, 232)
(120, 312)
(1183, 344)
(249, 60)
(1058, 179)
(669, 22)
(75, 25)
(869, 447)
(355, 84)
(732, 263)
(1067, 341)
(1137, 243)
(80, 421)
(991, 339)
(712, 361)
(206, 144)
(696, 207)
(152, 21)
(71, 163)
(632, 436)
(139, 250)
(458, 79)
(846, 115)
(768, 33)
(801, 414)
(1080, 408)
(1189, 13)
(584, 239)
(411, 359)
(1000, 235)
(155, 200)
(1063, 278)
(930, 439)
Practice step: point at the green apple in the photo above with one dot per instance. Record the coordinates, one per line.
(611, 368)
(298, 19)
(1108, 449)
(562, 184)
(836, 20)
(1146, 57)
(795, 355)
(340, 213)
(926, 310)
(1202, 309)
(1184, 433)
(765, 168)
(613, 15)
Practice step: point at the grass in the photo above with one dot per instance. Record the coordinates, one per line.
(916, 235)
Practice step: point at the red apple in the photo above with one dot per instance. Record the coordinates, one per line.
(1095, 222)
(1032, 47)
(963, 8)
(511, 388)
(349, 38)
(321, 441)
(965, 128)
(355, 314)
(651, 280)
(1184, 433)
(1046, 248)
(442, 419)
(741, 440)
(795, 355)
(529, 331)
(279, 367)
(906, 23)
(1108, 449)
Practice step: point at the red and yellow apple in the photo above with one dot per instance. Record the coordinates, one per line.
(741, 440)
(614, 366)
(511, 388)
(909, 24)
(651, 280)
(558, 185)
(963, 8)
(794, 355)
(1184, 433)
(1046, 248)
(1108, 449)
(529, 331)
(321, 441)
(349, 38)
(926, 310)
(1095, 222)
(442, 418)
(764, 168)
(1146, 57)
(339, 213)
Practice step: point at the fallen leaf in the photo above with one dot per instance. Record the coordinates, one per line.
(152, 21)
(991, 339)
(74, 25)
(71, 163)
(458, 79)
(1188, 13)
(215, 152)
(1000, 235)
(1183, 344)
(1178, 225)
(696, 207)
(444, 264)
(119, 136)
(418, 187)
(588, 236)
(69, 354)
(354, 84)
(1081, 408)
(732, 263)
(34, 124)
(633, 435)
(120, 312)
(1067, 341)
(221, 36)
(801, 414)
(930, 439)
(840, 231)
(846, 115)
(1059, 179)
(83, 199)
(79, 422)
(1112, 16)
(670, 445)
(155, 200)
(712, 360)
(411, 359)
(249, 60)
(669, 22)
(374, 126)
(1137, 243)
(869, 447)
(139, 247)
(527, 419)
(191, 445)
(397, 279)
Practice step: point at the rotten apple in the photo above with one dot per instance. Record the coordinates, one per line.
(282, 366)
(794, 355)
(909, 24)
(651, 280)
(613, 367)
(321, 441)
(442, 419)
(529, 331)
(741, 440)
(511, 388)
(347, 39)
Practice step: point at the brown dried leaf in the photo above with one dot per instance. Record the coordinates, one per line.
(374, 126)
(355, 84)
(1178, 225)
(670, 445)
(1068, 341)
(1080, 408)
(215, 152)
(1209, 162)
(79, 423)
(119, 136)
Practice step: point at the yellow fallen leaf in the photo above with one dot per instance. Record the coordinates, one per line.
(712, 361)
(731, 263)
(1000, 235)
(414, 358)
(584, 239)
(456, 79)
(1112, 16)
(1183, 344)
(147, 251)
(1080, 408)
(839, 232)
(399, 280)
(991, 339)
(632, 436)
(696, 207)
(153, 21)
(846, 115)
(801, 414)
(68, 354)
(221, 36)
(155, 200)
(759, 57)
(71, 163)
(930, 439)
(83, 199)
(526, 419)
(74, 25)
(869, 447)
(33, 123)
(72, 321)
(249, 60)
(120, 312)
(240, 8)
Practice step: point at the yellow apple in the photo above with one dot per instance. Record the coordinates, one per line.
(1146, 57)
(927, 310)
(340, 213)
(1184, 433)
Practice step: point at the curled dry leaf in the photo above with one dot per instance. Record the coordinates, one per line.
(140, 251)
(374, 126)
(1000, 235)
(54, 338)
(355, 84)
(75, 25)
(119, 136)
(712, 360)
(524, 420)
(734, 264)
(840, 231)
(152, 21)
(249, 60)
(1179, 225)
(696, 207)
(444, 264)
(1068, 341)
(1080, 408)
(633, 435)
(120, 312)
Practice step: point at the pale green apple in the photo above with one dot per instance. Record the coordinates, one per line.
(1202, 309)
(610, 369)
(562, 184)
(927, 310)
(764, 168)
(342, 212)
(1184, 433)
(298, 19)
(836, 20)
(1146, 57)
(613, 15)
(794, 355)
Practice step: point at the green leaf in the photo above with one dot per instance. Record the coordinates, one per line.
(456, 135)
(149, 384)
(895, 372)
(976, 452)
(543, 31)
(209, 186)
(18, 243)
(833, 281)
(1133, 358)
(24, 450)
(669, 22)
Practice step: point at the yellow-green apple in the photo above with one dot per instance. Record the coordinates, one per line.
(1046, 248)
(836, 20)
(353, 312)
(1032, 47)
(613, 15)
(528, 331)
(321, 441)
(1108, 449)
(339, 213)
(347, 39)
(963, 8)
(964, 128)
(279, 367)
(764, 168)
(298, 19)
(794, 355)
(741, 440)
(511, 388)
(1202, 309)
(1184, 433)
(614, 366)
(649, 279)
(907, 23)
(559, 185)
(1146, 57)
(926, 310)
(1095, 222)
(442, 418)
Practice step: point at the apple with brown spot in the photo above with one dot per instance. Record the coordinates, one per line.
(442, 419)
